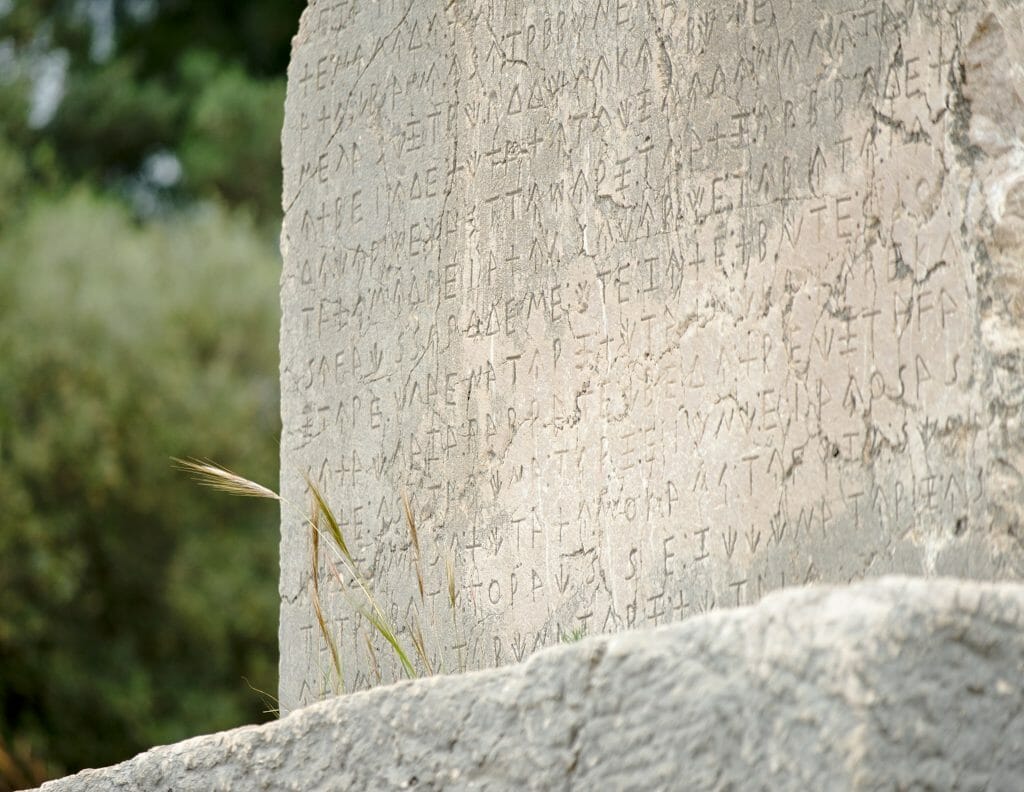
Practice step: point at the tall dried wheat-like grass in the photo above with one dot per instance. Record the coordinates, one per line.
(220, 478)
(325, 526)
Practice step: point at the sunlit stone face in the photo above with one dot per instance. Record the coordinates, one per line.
(647, 308)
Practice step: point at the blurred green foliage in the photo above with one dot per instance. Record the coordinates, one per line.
(229, 106)
(132, 602)
(137, 601)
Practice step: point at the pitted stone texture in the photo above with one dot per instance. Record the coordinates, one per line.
(649, 307)
(993, 66)
(893, 684)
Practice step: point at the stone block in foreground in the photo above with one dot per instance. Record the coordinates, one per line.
(895, 684)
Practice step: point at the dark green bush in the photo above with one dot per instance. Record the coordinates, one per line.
(231, 146)
(110, 119)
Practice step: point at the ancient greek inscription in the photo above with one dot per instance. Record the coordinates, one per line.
(647, 306)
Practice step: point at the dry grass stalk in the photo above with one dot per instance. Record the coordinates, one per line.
(414, 534)
(375, 616)
(268, 699)
(373, 658)
(332, 645)
(449, 571)
(220, 478)
(332, 521)
(421, 647)
(373, 612)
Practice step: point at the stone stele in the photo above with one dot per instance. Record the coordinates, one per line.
(646, 307)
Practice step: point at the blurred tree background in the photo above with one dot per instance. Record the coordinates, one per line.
(139, 217)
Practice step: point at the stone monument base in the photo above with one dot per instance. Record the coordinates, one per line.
(896, 683)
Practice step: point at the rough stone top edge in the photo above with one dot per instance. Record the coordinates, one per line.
(865, 613)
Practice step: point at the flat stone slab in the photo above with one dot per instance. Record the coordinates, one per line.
(897, 683)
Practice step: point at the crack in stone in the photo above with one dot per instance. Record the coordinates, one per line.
(348, 99)
(575, 749)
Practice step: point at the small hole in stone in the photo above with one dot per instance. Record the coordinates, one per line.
(835, 451)
(960, 527)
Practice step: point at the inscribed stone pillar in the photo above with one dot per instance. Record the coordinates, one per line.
(647, 307)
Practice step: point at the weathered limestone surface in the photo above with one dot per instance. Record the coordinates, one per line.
(648, 306)
(894, 684)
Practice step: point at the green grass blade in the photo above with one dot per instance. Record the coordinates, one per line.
(389, 636)
(332, 645)
(332, 521)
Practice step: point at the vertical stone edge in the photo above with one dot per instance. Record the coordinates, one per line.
(991, 83)
(290, 189)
